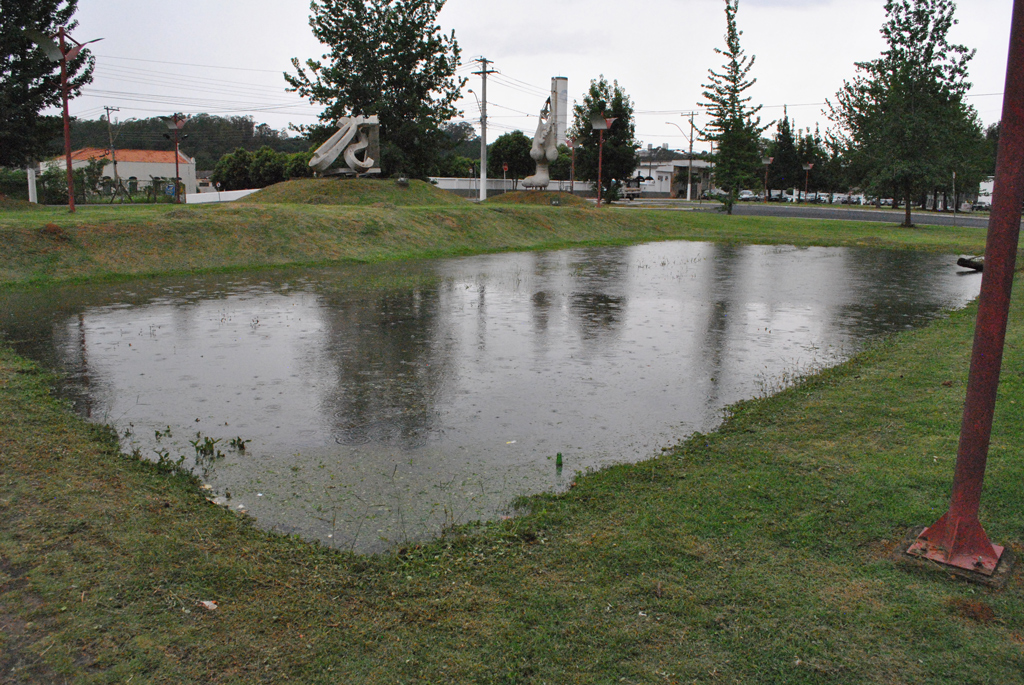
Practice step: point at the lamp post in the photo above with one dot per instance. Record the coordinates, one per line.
(807, 177)
(60, 52)
(767, 161)
(175, 125)
(600, 124)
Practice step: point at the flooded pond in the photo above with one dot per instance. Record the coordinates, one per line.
(378, 404)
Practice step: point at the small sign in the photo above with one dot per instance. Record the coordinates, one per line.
(505, 166)
(169, 190)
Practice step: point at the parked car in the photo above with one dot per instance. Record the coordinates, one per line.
(747, 195)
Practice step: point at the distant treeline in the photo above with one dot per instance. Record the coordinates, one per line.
(209, 137)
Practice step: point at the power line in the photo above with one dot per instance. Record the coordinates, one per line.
(187, 64)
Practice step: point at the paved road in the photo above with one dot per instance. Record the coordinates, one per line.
(852, 214)
(817, 212)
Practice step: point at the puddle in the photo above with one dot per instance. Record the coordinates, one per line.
(381, 403)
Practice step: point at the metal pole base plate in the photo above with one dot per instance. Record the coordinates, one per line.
(958, 540)
(997, 580)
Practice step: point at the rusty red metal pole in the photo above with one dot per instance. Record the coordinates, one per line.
(957, 539)
(67, 119)
(177, 172)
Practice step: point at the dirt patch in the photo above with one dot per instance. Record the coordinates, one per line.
(55, 233)
(972, 610)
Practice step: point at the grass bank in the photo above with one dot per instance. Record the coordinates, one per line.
(46, 245)
(757, 554)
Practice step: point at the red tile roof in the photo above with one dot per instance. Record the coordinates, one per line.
(146, 156)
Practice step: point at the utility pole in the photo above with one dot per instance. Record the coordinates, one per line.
(484, 62)
(689, 163)
(110, 135)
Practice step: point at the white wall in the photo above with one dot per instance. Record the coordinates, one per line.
(215, 196)
(508, 185)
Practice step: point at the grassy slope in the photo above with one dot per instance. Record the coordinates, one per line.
(541, 198)
(757, 554)
(103, 242)
(355, 191)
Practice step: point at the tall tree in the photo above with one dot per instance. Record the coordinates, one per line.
(735, 127)
(903, 115)
(991, 147)
(620, 158)
(387, 58)
(784, 171)
(30, 82)
(513, 149)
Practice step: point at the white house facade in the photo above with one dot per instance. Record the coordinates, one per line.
(136, 168)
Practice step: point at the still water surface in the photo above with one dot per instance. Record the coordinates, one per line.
(384, 402)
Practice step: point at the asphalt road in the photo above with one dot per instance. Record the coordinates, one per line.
(852, 214)
(841, 213)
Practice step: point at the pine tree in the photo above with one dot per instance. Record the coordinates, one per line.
(735, 127)
(784, 171)
(30, 82)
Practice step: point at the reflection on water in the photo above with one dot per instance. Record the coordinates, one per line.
(384, 402)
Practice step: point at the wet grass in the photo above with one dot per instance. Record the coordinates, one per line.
(756, 554)
(47, 245)
(540, 198)
(354, 191)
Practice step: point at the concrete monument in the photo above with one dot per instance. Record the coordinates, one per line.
(550, 134)
(358, 141)
(544, 150)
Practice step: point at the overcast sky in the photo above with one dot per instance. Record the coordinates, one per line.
(227, 57)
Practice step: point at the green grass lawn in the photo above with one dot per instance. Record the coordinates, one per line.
(755, 554)
(45, 245)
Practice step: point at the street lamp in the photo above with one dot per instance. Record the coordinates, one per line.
(767, 161)
(807, 177)
(175, 125)
(599, 123)
(60, 52)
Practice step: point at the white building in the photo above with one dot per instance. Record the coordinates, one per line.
(669, 177)
(137, 168)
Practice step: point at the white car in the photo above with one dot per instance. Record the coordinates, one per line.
(747, 195)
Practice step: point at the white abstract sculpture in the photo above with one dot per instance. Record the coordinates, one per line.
(544, 150)
(357, 139)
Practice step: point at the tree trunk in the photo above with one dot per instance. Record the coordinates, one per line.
(906, 218)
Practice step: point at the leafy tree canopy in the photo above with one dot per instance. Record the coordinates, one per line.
(513, 149)
(30, 82)
(387, 58)
(620, 145)
(735, 127)
(903, 117)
